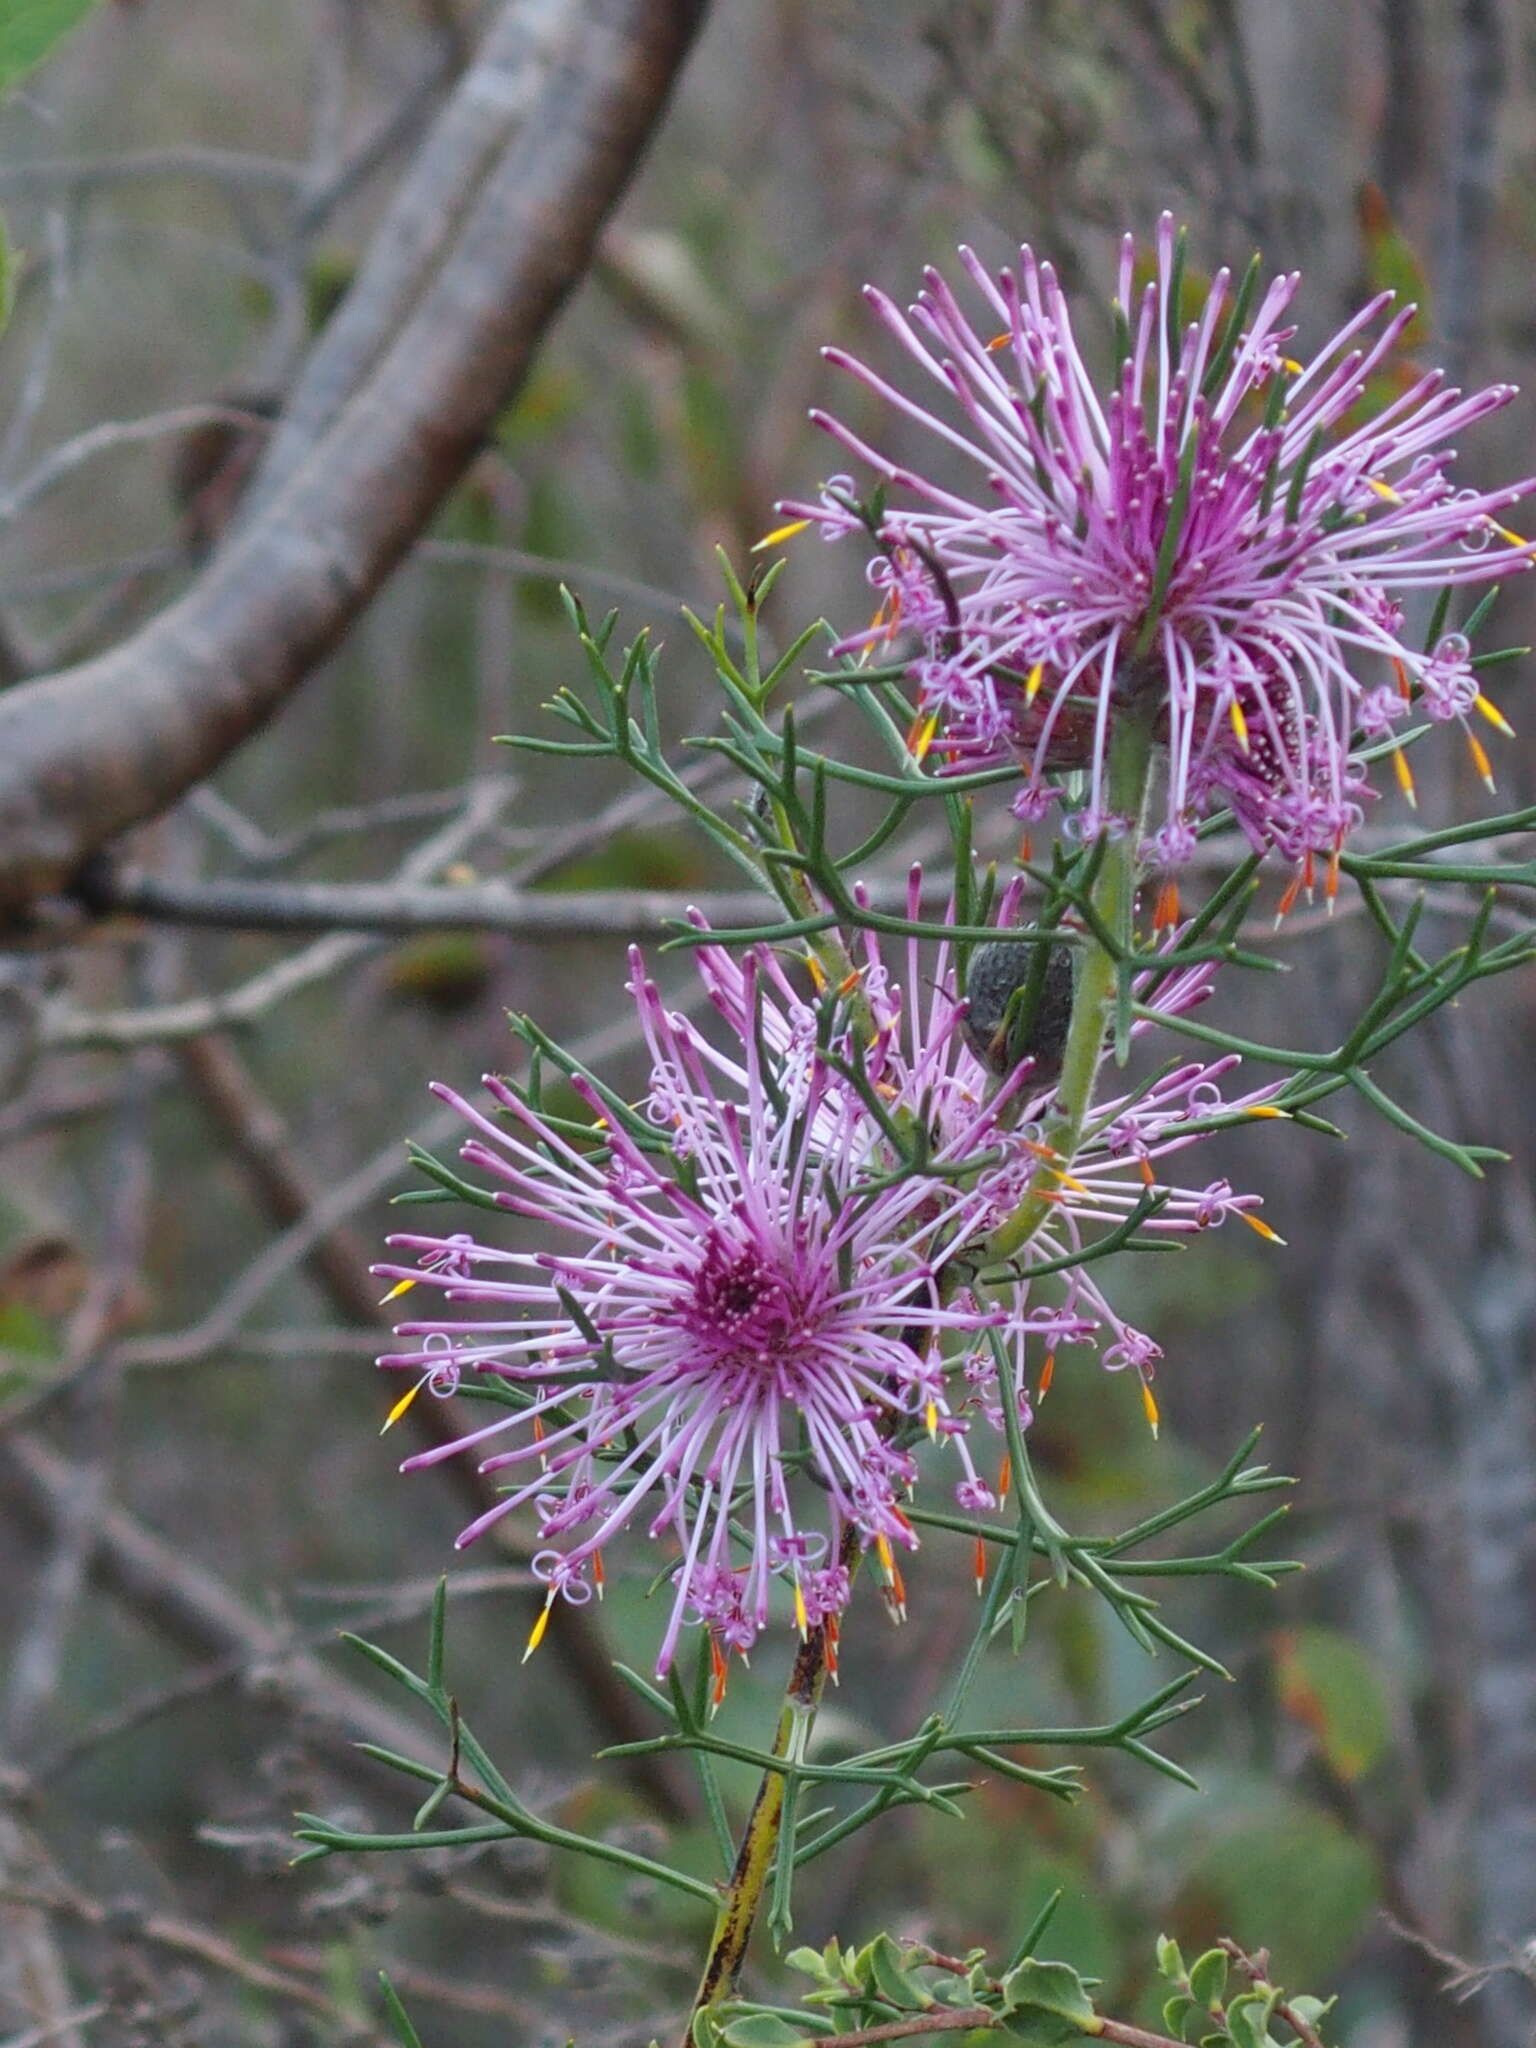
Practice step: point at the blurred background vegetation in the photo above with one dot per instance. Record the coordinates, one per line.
(184, 1331)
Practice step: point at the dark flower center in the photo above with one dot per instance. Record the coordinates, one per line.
(742, 1309)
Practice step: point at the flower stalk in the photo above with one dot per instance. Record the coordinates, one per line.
(1114, 898)
(760, 1840)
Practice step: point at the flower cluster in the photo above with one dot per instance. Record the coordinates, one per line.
(754, 1312)
(1221, 539)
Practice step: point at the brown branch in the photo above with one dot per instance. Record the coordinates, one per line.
(90, 751)
(963, 2019)
(181, 1937)
(194, 1609)
(426, 212)
(253, 906)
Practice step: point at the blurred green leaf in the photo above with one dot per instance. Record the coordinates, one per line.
(7, 276)
(552, 398)
(642, 448)
(636, 860)
(446, 971)
(29, 31)
(1392, 264)
(711, 436)
(1287, 1877)
(1333, 1687)
(547, 530)
(327, 280)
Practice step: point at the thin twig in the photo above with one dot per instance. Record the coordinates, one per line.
(181, 1937)
(481, 907)
(70, 455)
(241, 169)
(68, 1029)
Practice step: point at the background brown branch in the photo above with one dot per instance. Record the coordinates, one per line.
(89, 752)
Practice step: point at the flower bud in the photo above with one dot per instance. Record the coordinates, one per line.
(1019, 1005)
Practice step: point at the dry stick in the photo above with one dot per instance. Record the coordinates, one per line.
(204, 1679)
(32, 1971)
(181, 1937)
(483, 113)
(391, 907)
(196, 1610)
(65, 1028)
(338, 1260)
(761, 1836)
(90, 751)
(967, 2018)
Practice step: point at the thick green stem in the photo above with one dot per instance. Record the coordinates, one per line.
(743, 1896)
(1114, 895)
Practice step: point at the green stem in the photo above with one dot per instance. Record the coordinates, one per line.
(743, 1895)
(1114, 896)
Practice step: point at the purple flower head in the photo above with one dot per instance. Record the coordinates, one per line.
(1220, 534)
(744, 1284)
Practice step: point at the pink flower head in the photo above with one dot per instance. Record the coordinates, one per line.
(1220, 531)
(919, 1054)
(756, 1287)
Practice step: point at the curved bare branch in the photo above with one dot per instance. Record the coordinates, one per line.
(93, 750)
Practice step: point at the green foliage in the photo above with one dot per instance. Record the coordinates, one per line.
(549, 401)
(1285, 1873)
(1334, 1687)
(1225, 1999)
(395, 2013)
(30, 30)
(7, 276)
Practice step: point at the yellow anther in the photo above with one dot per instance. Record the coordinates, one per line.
(1257, 1223)
(931, 1417)
(817, 973)
(400, 1287)
(1480, 760)
(1067, 1180)
(1149, 1403)
(403, 1403)
(920, 738)
(771, 540)
(1494, 715)
(1267, 1109)
(536, 1634)
(802, 1619)
(1386, 491)
(1239, 723)
(1514, 539)
(1404, 776)
(1033, 681)
(1290, 363)
(883, 1552)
